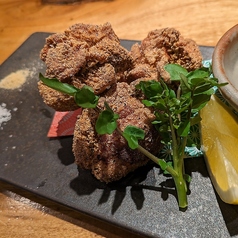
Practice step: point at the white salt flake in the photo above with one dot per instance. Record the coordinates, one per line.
(5, 114)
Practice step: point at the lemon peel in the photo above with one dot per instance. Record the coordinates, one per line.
(219, 137)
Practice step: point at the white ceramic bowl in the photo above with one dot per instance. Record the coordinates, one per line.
(225, 65)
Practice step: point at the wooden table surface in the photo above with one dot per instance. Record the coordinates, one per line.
(23, 214)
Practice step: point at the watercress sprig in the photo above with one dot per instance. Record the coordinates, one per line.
(107, 121)
(176, 110)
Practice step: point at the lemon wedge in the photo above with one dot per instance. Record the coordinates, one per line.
(219, 134)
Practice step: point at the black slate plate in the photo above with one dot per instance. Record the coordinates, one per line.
(140, 202)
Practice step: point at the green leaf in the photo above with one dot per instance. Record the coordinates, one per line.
(195, 82)
(175, 71)
(59, 86)
(150, 88)
(221, 84)
(148, 103)
(185, 88)
(187, 178)
(106, 122)
(183, 129)
(200, 101)
(184, 84)
(203, 88)
(172, 94)
(132, 134)
(198, 74)
(86, 98)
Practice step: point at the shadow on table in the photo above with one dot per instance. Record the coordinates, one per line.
(144, 178)
(230, 215)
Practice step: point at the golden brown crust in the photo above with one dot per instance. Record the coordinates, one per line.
(161, 47)
(84, 54)
(108, 156)
(99, 78)
(56, 99)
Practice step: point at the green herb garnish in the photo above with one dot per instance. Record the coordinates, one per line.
(83, 97)
(107, 121)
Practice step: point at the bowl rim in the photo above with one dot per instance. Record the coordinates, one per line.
(227, 91)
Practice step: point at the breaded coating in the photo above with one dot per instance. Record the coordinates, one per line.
(56, 99)
(84, 54)
(159, 48)
(108, 156)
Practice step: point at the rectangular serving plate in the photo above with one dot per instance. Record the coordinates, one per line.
(143, 202)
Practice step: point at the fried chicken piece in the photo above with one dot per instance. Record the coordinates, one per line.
(159, 48)
(108, 156)
(83, 55)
